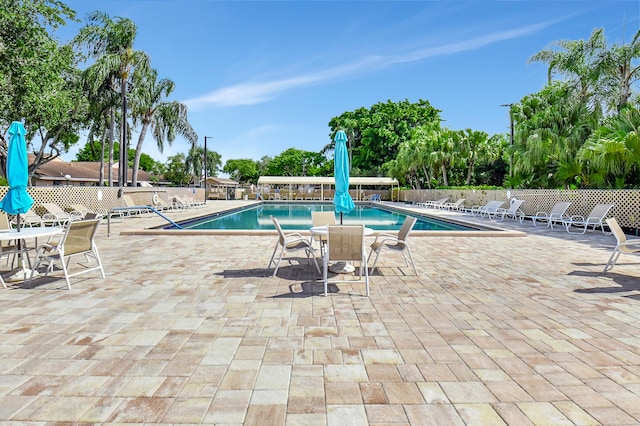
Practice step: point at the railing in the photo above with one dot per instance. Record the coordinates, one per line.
(138, 208)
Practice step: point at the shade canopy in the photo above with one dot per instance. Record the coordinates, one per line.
(341, 199)
(17, 199)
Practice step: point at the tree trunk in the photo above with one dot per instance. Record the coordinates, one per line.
(101, 175)
(136, 160)
(112, 127)
(469, 173)
(445, 180)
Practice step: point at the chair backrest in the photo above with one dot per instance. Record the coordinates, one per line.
(79, 236)
(53, 208)
(600, 210)
(345, 242)
(4, 221)
(560, 208)
(459, 202)
(616, 230)
(323, 218)
(406, 227)
(492, 206)
(515, 205)
(276, 223)
(128, 200)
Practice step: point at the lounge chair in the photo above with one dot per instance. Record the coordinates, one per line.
(557, 214)
(395, 242)
(434, 203)
(83, 210)
(623, 244)
(27, 220)
(56, 216)
(132, 207)
(78, 239)
(458, 205)
(490, 207)
(322, 218)
(375, 197)
(290, 243)
(594, 219)
(345, 243)
(513, 211)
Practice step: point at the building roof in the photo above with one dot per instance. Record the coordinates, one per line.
(220, 181)
(84, 171)
(325, 180)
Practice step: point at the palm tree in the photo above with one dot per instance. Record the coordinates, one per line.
(577, 59)
(151, 109)
(619, 72)
(110, 41)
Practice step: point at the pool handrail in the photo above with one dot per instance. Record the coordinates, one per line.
(114, 209)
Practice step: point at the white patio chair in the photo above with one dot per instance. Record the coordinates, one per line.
(395, 242)
(458, 205)
(557, 214)
(322, 218)
(594, 219)
(490, 207)
(345, 243)
(290, 243)
(623, 245)
(513, 211)
(78, 239)
(55, 215)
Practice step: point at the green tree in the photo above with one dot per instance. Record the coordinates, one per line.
(176, 170)
(242, 170)
(110, 42)
(166, 119)
(620, 71)
(379, 131)
(613, 150)
(39, 78)
(296, 162)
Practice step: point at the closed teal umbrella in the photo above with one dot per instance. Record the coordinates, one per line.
(17, 199)
(342, 200)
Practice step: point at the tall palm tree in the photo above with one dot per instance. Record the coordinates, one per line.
(619, 71)
(151, 109)
(110, 41)
(576, 59)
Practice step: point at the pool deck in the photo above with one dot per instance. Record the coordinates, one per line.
(194, 330)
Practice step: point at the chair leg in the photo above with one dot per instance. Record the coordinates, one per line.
(325, 267)
(374, 260)
(275, 271)
(612, 261)
(273, 255)
(415, 271)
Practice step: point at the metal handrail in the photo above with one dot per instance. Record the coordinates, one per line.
(114, 209)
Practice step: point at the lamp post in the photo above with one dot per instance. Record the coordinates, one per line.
(206, 193)
(511, 137)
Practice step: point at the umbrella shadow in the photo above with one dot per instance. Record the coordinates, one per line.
(626, 283)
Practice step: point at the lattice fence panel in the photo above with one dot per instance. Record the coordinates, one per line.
(626, 201)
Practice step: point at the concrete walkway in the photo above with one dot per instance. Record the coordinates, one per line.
(194, 330)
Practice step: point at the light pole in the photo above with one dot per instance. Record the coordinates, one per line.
(511, 137)
(206, 193)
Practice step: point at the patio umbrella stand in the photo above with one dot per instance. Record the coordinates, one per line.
(17, 200)
(341, 199)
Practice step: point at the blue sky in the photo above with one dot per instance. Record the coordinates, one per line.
(261, 77)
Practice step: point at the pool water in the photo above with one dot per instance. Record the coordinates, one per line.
(298, 217)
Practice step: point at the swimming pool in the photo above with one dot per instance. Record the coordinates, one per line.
(298, 217)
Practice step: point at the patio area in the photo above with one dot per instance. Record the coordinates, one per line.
(194, 330)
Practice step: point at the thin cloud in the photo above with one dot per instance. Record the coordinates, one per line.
(252, 93)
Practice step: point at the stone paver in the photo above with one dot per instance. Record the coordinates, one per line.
(193, 329)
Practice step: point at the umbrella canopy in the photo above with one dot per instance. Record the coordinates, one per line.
(17, 199)
(342, 199)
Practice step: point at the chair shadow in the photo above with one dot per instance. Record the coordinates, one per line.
(291, 268)
(627, 283)
(307, 289)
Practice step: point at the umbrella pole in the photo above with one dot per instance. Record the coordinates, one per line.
(340, 218)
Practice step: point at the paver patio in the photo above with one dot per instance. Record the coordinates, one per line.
(194, 330)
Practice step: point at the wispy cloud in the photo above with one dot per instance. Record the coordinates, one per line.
(255, 92)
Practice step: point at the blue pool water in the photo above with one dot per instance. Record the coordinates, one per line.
(298, 217)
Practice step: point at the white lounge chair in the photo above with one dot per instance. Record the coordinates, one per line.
(557, 214)
(594, 219)
(56, 216)
(433, 203)
(623, 244)
(490, 207)
(513, 211)
(458, 205)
